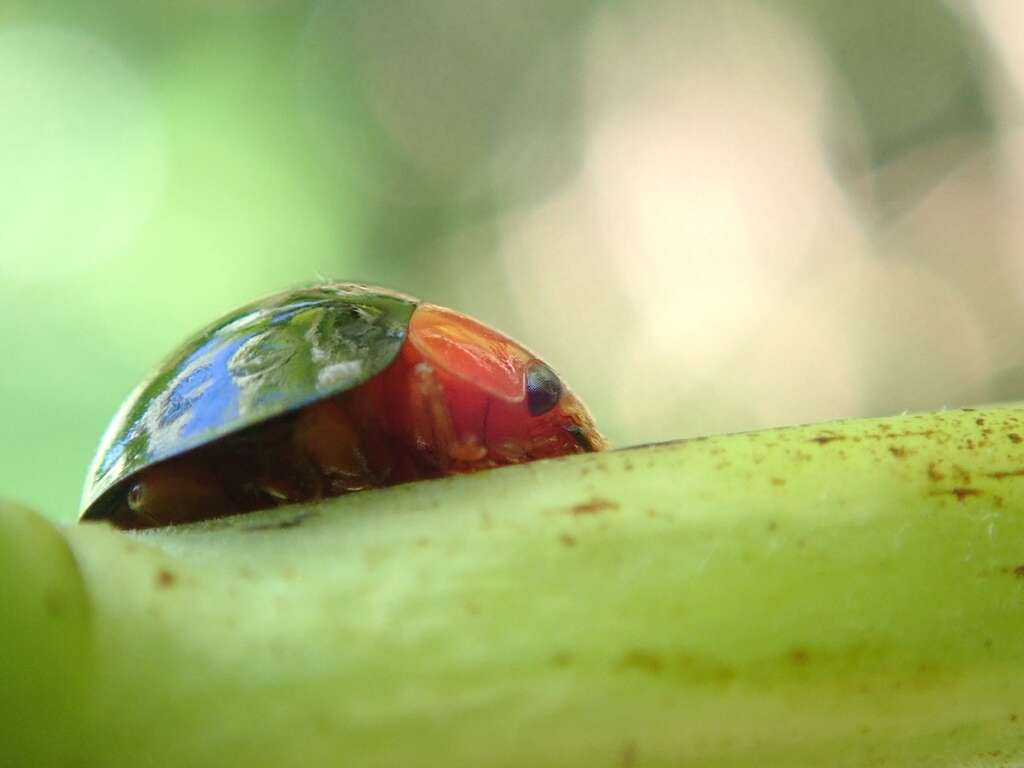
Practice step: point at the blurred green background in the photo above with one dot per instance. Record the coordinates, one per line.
(708, 216)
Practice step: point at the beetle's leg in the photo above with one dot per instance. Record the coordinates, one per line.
(263, 468)
(177, 491)
(433, 430)
(284, 480)
(432, 426)
(370, 414)
(326, 436)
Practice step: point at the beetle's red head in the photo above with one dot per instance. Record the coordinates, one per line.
(500, 396)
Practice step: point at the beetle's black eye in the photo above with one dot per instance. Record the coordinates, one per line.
(543, 389)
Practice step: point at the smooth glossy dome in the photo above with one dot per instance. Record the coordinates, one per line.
(268, 358)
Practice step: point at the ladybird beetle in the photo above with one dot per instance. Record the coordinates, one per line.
(321, 391)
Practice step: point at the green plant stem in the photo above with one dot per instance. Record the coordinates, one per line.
(848, 594)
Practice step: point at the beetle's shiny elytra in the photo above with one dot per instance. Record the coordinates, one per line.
(321, 391)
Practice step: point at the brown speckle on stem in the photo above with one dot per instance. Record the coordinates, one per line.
(825, 439)
(593, 506)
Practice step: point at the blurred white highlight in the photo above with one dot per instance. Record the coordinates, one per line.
(706, 202)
